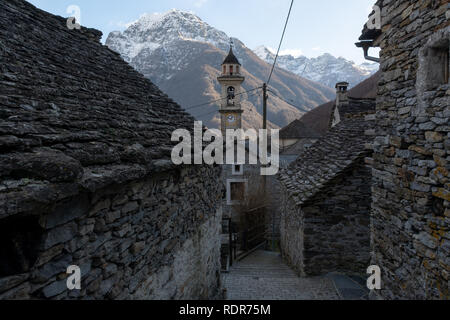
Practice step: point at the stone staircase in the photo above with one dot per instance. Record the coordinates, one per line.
(264, 276)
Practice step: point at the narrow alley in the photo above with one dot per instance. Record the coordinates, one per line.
(264, 276)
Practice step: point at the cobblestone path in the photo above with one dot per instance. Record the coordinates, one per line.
(264, 276)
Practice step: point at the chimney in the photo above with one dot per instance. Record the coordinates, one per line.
(341, 94)
(341, 101)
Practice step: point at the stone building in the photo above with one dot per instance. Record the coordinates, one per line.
(411, 190)
(304, 132)
(326, 200)
(86, 177)
(318, 119)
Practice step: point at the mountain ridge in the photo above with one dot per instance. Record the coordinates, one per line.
(182, 55)
(325, 69)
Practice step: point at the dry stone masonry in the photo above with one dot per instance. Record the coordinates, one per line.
(86, 177)
(411, 190)
(326, 205)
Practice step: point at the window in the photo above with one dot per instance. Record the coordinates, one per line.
(237, 69)
(439, 65)
(230, 96)
(437, 207)
(224, 69)
(236, 191)
(434, 69)
(20, 239)
(230, 92)
(231, 70)
(238, 170)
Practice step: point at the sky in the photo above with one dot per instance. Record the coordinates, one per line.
(315, 27)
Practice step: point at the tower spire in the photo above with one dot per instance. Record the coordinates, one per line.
(231, 81)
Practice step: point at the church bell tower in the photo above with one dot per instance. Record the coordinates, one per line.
(231, 81)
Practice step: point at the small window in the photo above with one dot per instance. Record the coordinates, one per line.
(436, 66)
(238, 71)
(238, 170)
(437, 206)
(231, 92)
(236, 191)
(231, 70)
(433, 70)
(20, 238)
(439, 62)
(230, 96)
(224, 69)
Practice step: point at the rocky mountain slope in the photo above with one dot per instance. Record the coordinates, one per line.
(182, 55)
(325, 69)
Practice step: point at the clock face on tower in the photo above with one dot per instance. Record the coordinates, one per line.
(231, 118)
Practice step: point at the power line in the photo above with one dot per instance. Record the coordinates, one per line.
(281, 42)
(203, 104)
(215, 111)
(213, 101)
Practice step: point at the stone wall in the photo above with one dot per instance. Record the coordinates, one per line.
(291, 233)
(274, 211)
(336, 227)
(155, 238)
(86, 176)
(411, 190)
(330, 232)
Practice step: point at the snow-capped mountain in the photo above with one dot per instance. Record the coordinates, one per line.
(325, 69)
(183, 54)
(161, 31)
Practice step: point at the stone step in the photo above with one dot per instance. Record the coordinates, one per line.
(268, 272)
(243, 269)
(249, 270)
(260, 266)
(264, 276)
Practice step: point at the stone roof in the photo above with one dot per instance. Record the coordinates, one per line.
(73, 114)
(298, 130)
(328, 158)
(356, 107)
(332, 155)
(231, 58)
(318, 119)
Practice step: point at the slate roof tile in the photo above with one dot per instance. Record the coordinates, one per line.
(72, 111)
(328, 158)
